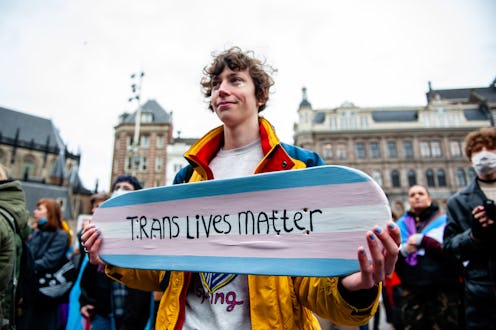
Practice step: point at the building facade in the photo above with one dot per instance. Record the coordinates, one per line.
(401, 146)
(146, 157)
(33, 152)
(175, 156)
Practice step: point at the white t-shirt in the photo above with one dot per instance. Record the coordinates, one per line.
(221, 301)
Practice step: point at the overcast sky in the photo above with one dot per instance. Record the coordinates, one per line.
(71, 61)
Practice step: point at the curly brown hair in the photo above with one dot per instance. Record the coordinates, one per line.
(476, 140)
(237, 60)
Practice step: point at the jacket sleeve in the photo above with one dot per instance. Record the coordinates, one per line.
(457, 232)
(87, 284)
(328, 299)
(52, 257)
(145, 280)
(7, 253)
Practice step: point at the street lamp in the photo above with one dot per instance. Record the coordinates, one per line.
(136, 83)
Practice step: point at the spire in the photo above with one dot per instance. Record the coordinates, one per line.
(304, 99)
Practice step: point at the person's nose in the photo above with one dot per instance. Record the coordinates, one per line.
(224, 88)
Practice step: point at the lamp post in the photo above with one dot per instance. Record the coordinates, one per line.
(137, 80)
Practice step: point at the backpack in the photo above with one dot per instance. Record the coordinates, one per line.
(23, 286)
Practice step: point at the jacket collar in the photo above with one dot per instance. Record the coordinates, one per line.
(205, 149)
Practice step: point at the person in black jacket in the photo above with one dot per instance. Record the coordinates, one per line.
(470, 233)
(108, 304)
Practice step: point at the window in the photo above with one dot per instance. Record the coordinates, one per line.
(348, 120)
(158, 164)
(395, 179)
(146, 117)
(471, 173)
(392, 150)
(177, 167)
(129, 163)
(160, 141)
(441, 178)
(408, 149)
(364, 122)
(327, 151)
(333, 123)
(145, 141)
(129, 141)
(455, 149)
(27, 168)
(436, 149)
(360, 150)
(412, 178)
(374, 150)
(461, 179)
(429, 176)
(341, 152)
(425, 151)
(142, 163)
(376, 175)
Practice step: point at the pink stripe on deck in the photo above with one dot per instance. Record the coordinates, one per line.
(341, 245)
(362, 193)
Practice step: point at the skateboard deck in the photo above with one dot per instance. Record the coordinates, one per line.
(306, 222)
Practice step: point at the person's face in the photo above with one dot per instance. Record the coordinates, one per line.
(40, 212)
(96, 204)
(233, 97)
(126, 186)
(484, 162)
(418, 199)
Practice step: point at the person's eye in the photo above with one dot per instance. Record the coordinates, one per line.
(238, 81)
(214, 84)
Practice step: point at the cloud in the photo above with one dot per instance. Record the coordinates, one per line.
(71, 60)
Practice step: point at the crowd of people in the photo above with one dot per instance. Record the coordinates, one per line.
(434, 268)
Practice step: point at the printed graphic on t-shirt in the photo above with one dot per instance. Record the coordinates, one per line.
(214, 281)
(218, 301)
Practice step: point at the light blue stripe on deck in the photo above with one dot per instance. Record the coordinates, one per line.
(232, 265)
(314, 176)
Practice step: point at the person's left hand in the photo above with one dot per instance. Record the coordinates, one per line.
(384, 248)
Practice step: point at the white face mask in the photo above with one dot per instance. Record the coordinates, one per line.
(484, 163)
(119, 192)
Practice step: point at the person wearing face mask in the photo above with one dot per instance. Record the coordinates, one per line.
(470, 233)
(107, 304)
(429, 278)
(48, 245)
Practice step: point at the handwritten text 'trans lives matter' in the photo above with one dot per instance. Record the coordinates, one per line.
(202, 226)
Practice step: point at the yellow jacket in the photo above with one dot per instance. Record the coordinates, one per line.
(276, 302)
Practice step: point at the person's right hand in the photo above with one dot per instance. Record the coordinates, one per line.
(87, 310)
(482, 225)
(92, 240)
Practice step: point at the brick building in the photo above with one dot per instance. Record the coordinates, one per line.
(147, 158)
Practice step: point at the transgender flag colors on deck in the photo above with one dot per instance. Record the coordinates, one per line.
(306, 222)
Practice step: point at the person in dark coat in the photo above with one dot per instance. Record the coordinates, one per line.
(429, 277)
(48, 245)
(470, 233)
(106, 303)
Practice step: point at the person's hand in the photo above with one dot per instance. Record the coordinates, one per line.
(91, 239)
(412, 244)
(87, 310)
(481, 223)
(384, 248)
